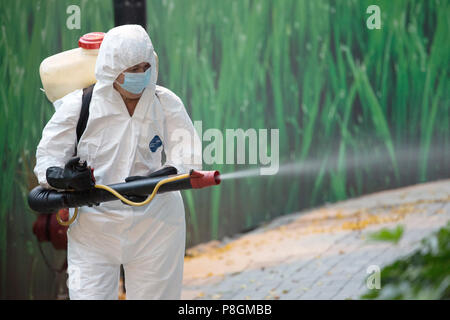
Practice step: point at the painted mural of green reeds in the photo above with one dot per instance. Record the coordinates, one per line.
(312, 69)
(334, 88)
(29, 32)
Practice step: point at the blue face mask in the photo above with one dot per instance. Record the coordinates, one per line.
(135, 82)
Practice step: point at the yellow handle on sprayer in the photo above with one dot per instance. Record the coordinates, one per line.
(120, 197)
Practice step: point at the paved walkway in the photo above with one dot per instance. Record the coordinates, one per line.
(319, 254)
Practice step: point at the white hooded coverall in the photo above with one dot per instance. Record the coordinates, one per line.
(149, 241)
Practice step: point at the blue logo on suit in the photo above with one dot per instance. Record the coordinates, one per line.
(155, 143)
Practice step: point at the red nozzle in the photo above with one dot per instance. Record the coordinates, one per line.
(201, 179)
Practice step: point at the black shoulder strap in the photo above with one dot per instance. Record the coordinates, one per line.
(84, 113)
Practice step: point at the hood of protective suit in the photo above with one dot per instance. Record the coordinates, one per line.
(122, 48)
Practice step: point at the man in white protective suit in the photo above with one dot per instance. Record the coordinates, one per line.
(131, 122)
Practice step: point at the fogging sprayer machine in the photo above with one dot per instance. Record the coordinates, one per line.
(50, 201)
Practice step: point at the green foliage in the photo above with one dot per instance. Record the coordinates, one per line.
(386, 234)
(30, 31)
(312, 69)
(425, 274)
(336, 90)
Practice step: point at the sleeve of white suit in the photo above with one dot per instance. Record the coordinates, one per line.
(59, 136)
(182, 144)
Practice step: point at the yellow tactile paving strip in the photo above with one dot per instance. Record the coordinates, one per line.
(299, 236)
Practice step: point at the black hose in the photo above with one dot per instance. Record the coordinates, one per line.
(50, 201)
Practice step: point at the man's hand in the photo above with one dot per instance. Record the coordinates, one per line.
(75, 175)
(134, 199)
(158, 173)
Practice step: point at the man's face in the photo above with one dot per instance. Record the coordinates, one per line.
(138, 68)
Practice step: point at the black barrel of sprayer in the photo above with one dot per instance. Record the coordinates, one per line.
(48, 201)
